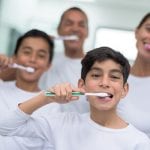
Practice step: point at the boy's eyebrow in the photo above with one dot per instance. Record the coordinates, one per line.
(95, 68)
(147, 24)
(116, 70)
(99, 69)
(41, 50)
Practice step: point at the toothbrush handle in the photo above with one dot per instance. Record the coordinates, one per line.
(47, 93)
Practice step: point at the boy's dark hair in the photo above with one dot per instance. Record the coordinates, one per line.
(143, 20)
(102, 54)
(35, 34)
(72, 9)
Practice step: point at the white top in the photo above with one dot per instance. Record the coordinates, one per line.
(65, 69)
(135, 107)
(73, 131)
(10, 96)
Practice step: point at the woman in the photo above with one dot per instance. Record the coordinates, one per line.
(135, 107)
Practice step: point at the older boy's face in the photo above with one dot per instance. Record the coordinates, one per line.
(33, 52)
(105, 77)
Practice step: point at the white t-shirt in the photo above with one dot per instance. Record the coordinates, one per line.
(135, 107)
(10, 97)
(73, 131)
(63, 70)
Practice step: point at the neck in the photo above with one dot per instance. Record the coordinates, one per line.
(27, 86)
(108, 119)
(74, 53)
(141, 67)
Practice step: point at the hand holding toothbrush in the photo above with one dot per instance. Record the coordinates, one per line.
(7, 62)
(61, 93)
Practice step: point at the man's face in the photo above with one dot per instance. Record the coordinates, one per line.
(74, 23)
(104, 77)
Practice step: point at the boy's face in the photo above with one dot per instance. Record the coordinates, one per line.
(104, 77)
(33, 52)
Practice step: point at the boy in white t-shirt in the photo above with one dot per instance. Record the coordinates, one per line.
(34, 49)
(104, 72)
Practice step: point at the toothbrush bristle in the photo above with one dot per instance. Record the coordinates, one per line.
(29, 69)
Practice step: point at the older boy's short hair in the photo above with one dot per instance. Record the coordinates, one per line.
(102, 54)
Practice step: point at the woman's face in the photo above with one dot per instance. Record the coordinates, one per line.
(143, 40)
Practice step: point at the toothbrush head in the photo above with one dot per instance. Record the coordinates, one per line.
(30, 69)
(102, 94)
(67, 38)
(73, 37)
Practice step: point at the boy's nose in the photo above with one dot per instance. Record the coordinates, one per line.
(104, 81)
(33, 58)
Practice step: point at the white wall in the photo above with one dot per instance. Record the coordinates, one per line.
(45, 14)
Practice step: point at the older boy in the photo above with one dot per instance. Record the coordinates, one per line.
(104, 71)
(33, 49)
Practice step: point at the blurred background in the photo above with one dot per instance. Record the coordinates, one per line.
(111, 22)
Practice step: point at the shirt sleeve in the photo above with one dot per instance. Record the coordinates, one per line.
(18, 123)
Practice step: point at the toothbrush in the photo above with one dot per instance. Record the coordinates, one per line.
(28, 69)
(67, 37)
(47, 93)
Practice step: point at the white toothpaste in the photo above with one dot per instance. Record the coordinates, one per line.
(28, 69)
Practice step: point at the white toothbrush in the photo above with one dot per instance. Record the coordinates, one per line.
(97, 94)
(28, 69)
(102, 94)
(67, 37)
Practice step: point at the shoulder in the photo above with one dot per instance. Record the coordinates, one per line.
(141, 136)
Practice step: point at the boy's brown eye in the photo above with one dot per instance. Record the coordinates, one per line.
(26, 52)
(115, 77)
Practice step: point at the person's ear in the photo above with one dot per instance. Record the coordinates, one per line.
(81, 83)
(125, 90)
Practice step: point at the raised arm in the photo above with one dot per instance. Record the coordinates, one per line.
(20, 123)
(63, 94)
